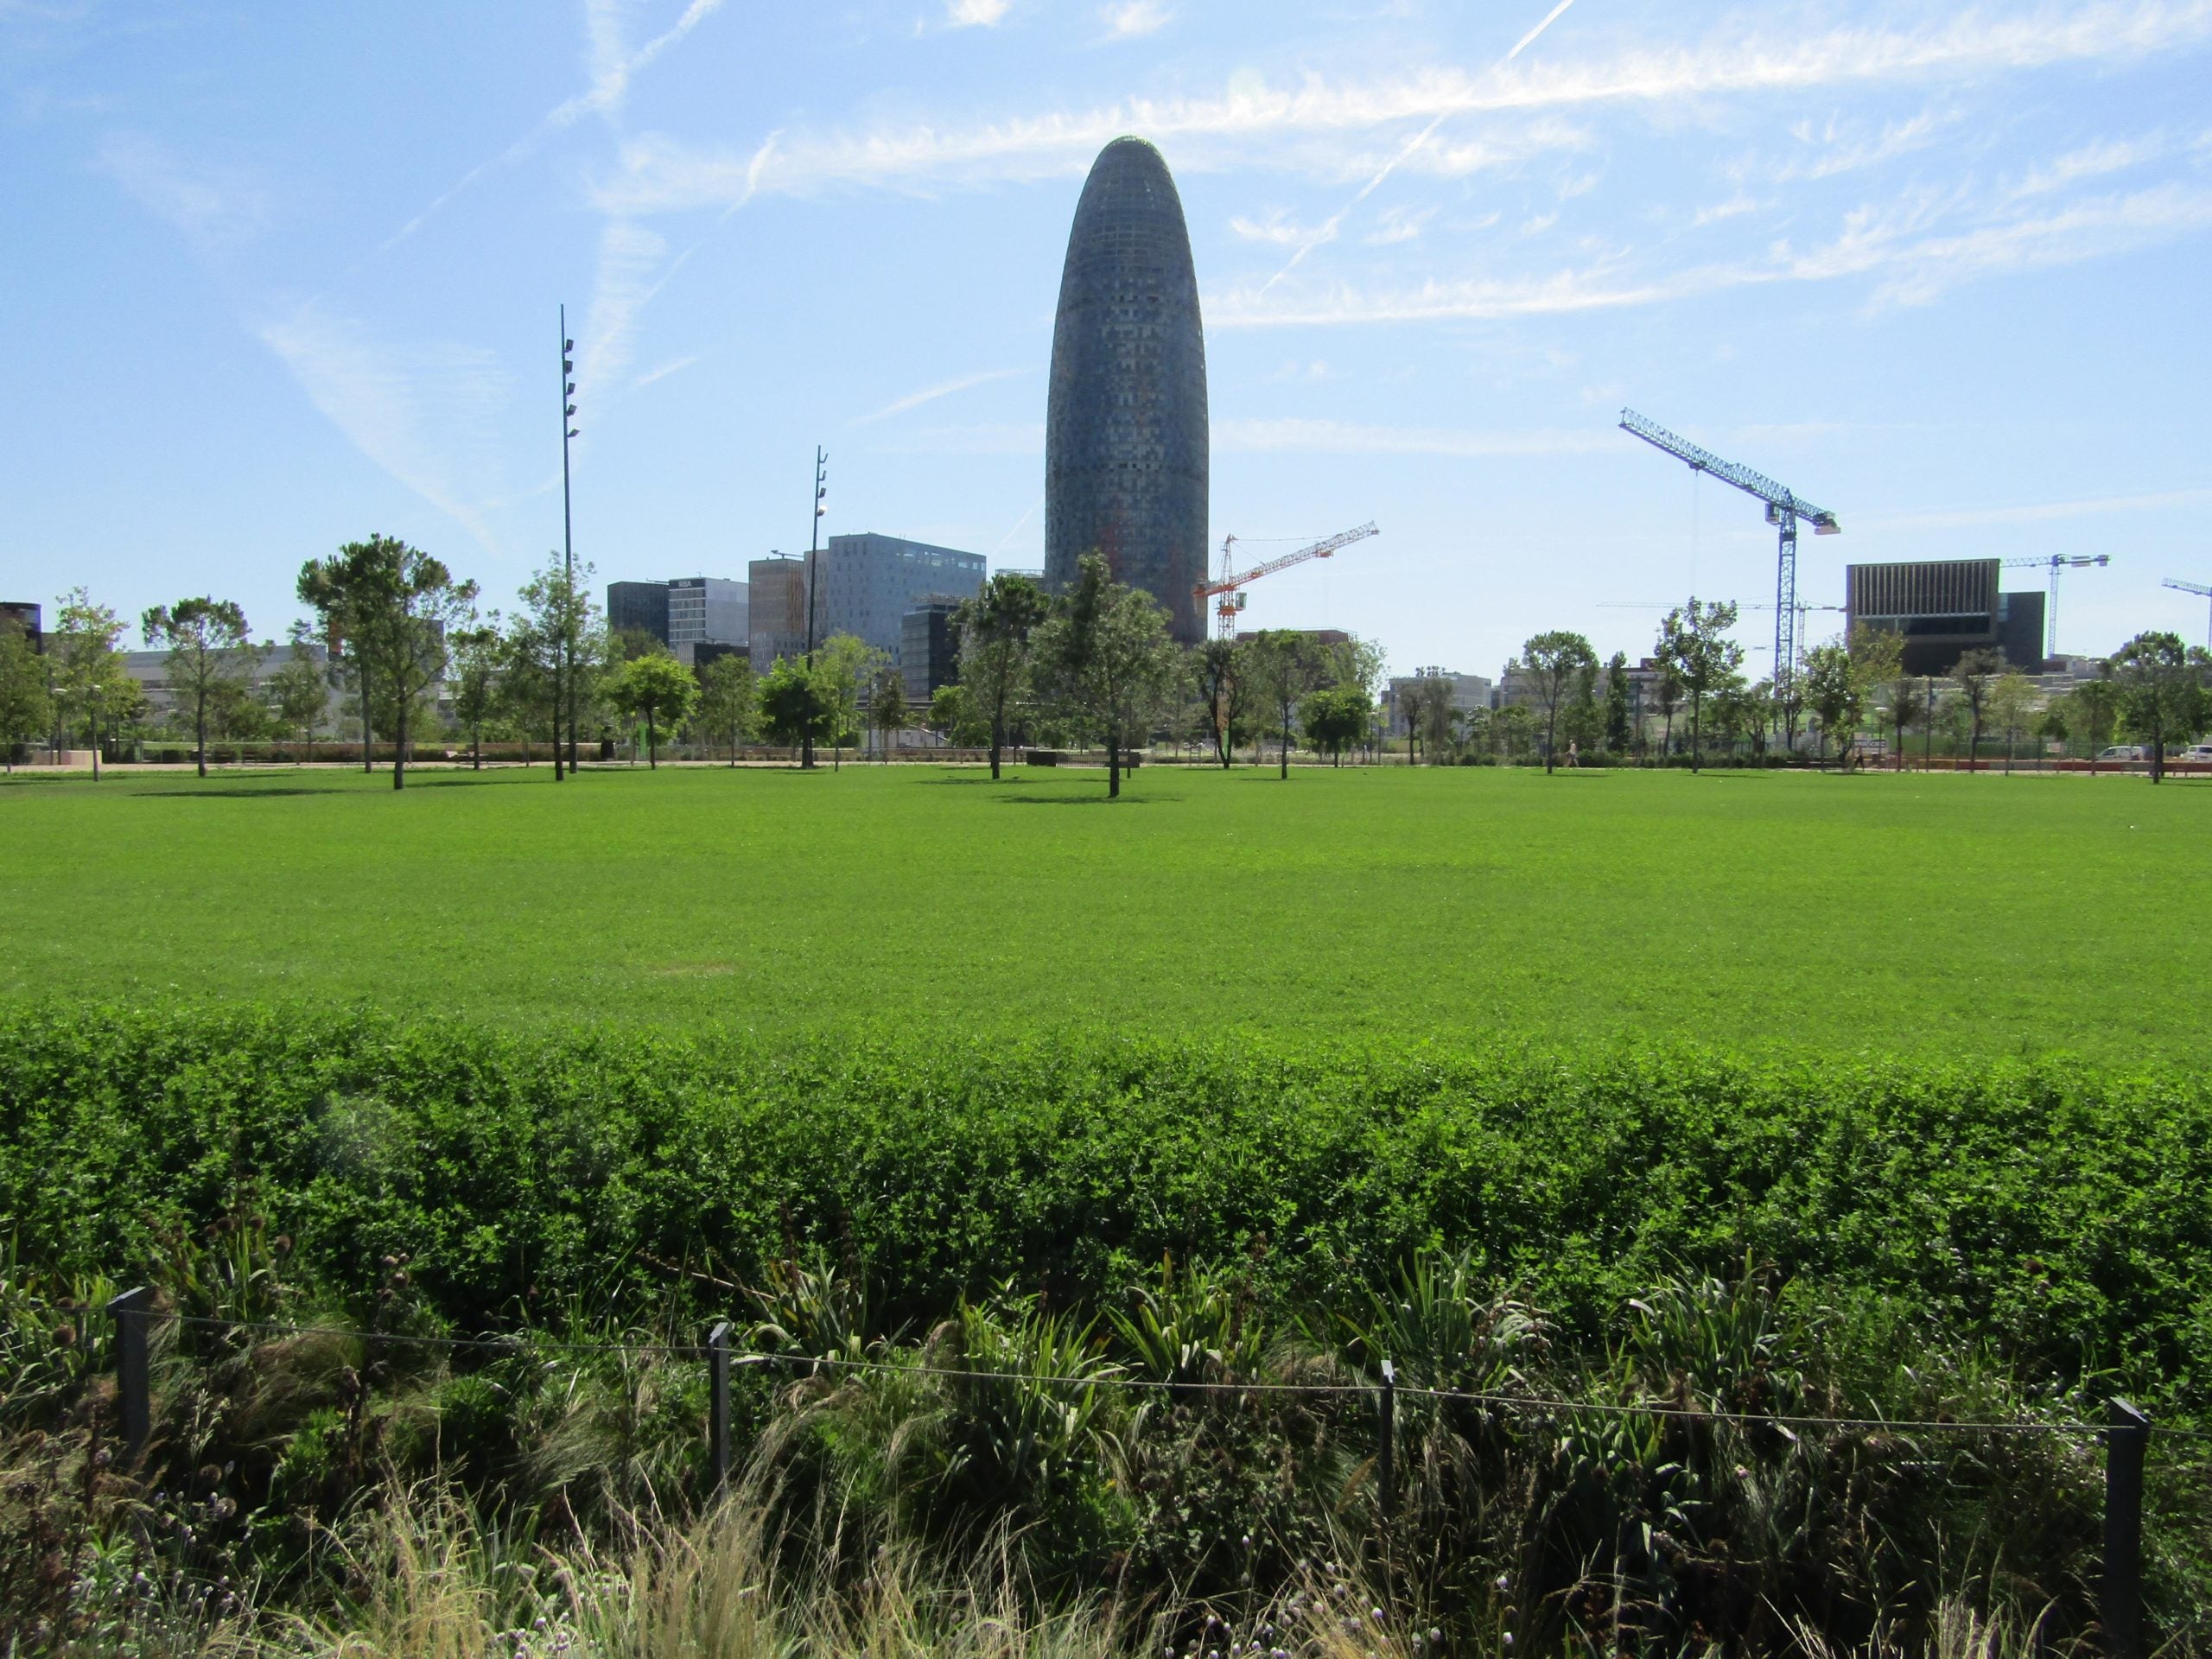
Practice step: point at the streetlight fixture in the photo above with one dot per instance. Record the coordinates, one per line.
(814, 545)
(565, 672)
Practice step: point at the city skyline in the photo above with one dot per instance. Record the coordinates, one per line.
(1935, 271)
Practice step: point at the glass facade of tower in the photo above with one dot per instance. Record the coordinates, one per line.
(1125, 424)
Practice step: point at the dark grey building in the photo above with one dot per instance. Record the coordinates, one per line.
(27, 616)
(927, 657)
(1944, 608)
(638, 605)
(1125, 417)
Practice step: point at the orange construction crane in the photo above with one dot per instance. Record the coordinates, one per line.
(1227, 589)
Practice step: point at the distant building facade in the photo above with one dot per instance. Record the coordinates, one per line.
(259, 663)
(868, 582)
(927, 654)
(1944, 608)
(26, 616)
(1469, 693)
(776, 609)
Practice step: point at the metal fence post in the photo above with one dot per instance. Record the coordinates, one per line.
(132, 1313)
(718, 1402)
(2122, 1610)
(1386, 1449)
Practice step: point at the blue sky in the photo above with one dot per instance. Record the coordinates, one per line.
(277, 276)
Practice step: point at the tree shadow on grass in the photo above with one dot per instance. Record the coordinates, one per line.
(1099, 799)
(238, 792)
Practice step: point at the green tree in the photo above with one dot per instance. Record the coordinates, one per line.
(1905, 700)
(842, 663)
(477, 656)
(1552, 665)
(956, 717)
(1618, 719)
(1832, 693)
(658, 689)
(1667, 688)
(393, 605)
(1695, 640)
(788, 702)
(1287, 666)
(530, 679)
(209, 648)
(729, 702)
(2012, 702)
(89, 683)
(1108, 660)
(1222, 670)
(568, 646)
(1428, 717)
(1973, 675)
(887, 705)
(1335, 718)
(2096, 702)
(994, 629)
(2162, 695)
(1582, 722)
(26, 711)
(298, 694)
(2055, 722)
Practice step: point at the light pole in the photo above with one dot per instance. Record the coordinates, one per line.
(813, 546)
(564, 676)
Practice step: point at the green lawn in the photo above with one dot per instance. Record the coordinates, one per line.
(1923, 914)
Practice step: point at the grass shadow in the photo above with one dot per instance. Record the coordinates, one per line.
(234, 791)
(1100, 798)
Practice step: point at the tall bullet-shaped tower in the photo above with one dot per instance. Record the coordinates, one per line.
(1125, 421)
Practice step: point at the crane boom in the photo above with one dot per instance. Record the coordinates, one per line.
(1784, 507)
(2055, 563)
(2200, 590)
(1751, 483)
(1225, 585)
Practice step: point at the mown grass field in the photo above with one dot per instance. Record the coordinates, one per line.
(1927, 915)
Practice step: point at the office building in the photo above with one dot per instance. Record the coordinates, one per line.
(776, 609)
(927, 648)
(638, 607)
(25, 615)
(707, 611)
(867, 583)
(1944, 608)
(1125, 417)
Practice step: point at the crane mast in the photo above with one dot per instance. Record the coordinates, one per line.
(2201, 591)
(2054, 563)
(1226, 588)
(1785, 509)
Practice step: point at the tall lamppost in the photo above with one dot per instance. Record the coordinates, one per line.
(565, 674)
(814, 545)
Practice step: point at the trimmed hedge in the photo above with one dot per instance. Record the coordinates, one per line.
(2056, 1209)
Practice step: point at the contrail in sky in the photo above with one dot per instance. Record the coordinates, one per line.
(1328, 231)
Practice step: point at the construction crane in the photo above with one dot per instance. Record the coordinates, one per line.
(1227, 589)
(2054, 563)
(1784, 507)
(2201, 592)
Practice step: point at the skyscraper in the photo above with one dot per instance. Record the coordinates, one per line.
(1125, 419)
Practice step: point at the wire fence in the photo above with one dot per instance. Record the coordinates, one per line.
(2126, 1434)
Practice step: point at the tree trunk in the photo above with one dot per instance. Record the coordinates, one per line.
(199, 733)
(399, 749)
(368, 751)
(1285, 756)
(95, 749)
(652, 744)
(1113, 766)
(1697, 735)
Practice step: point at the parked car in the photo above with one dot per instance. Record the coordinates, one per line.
(2198, 753)
(2121, 752)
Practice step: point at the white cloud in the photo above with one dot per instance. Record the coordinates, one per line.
(677, 366)
(2041, 512)
(973, 14)
(1252, 110)
(1131, 18)
(1912, 250)
(943, 388)
(1274, 228)
(2097, 160)
(1347, 438)
(1400, 225)
(627, 277)
(216, 208)
(425, 414)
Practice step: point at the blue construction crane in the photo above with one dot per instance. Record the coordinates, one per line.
(1784, 507)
